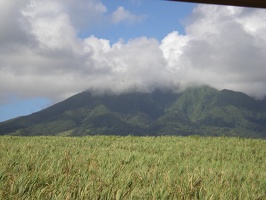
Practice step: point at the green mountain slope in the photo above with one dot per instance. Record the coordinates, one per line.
(200, 110)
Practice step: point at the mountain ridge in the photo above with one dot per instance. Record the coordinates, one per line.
(195, 111)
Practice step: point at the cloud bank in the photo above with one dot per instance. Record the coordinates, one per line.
(41, 53)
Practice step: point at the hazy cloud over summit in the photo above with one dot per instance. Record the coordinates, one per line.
(42, 54)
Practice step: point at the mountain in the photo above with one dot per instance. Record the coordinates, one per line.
(199, 110)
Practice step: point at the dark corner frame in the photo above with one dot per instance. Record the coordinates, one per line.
(243, 3)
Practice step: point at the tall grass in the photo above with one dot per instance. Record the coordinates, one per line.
(110, 167)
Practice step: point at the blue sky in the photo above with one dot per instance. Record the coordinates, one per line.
(159, 18)
(51, 50)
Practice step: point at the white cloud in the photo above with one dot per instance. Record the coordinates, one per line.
(11, 31)
(172, 47)
(224, 47)
(84, 14)
(122, 15)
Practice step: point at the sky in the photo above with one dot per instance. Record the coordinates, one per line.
(53, 49)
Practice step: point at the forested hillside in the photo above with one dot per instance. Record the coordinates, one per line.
(200, 110)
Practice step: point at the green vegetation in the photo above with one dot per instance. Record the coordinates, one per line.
(195, 111)
(112, 167)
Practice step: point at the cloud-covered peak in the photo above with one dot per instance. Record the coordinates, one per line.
(223, 44)
(43, 54)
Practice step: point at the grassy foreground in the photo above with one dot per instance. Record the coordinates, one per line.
(110, 167)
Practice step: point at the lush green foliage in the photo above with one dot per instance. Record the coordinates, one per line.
(112, 167)
(196, 111)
